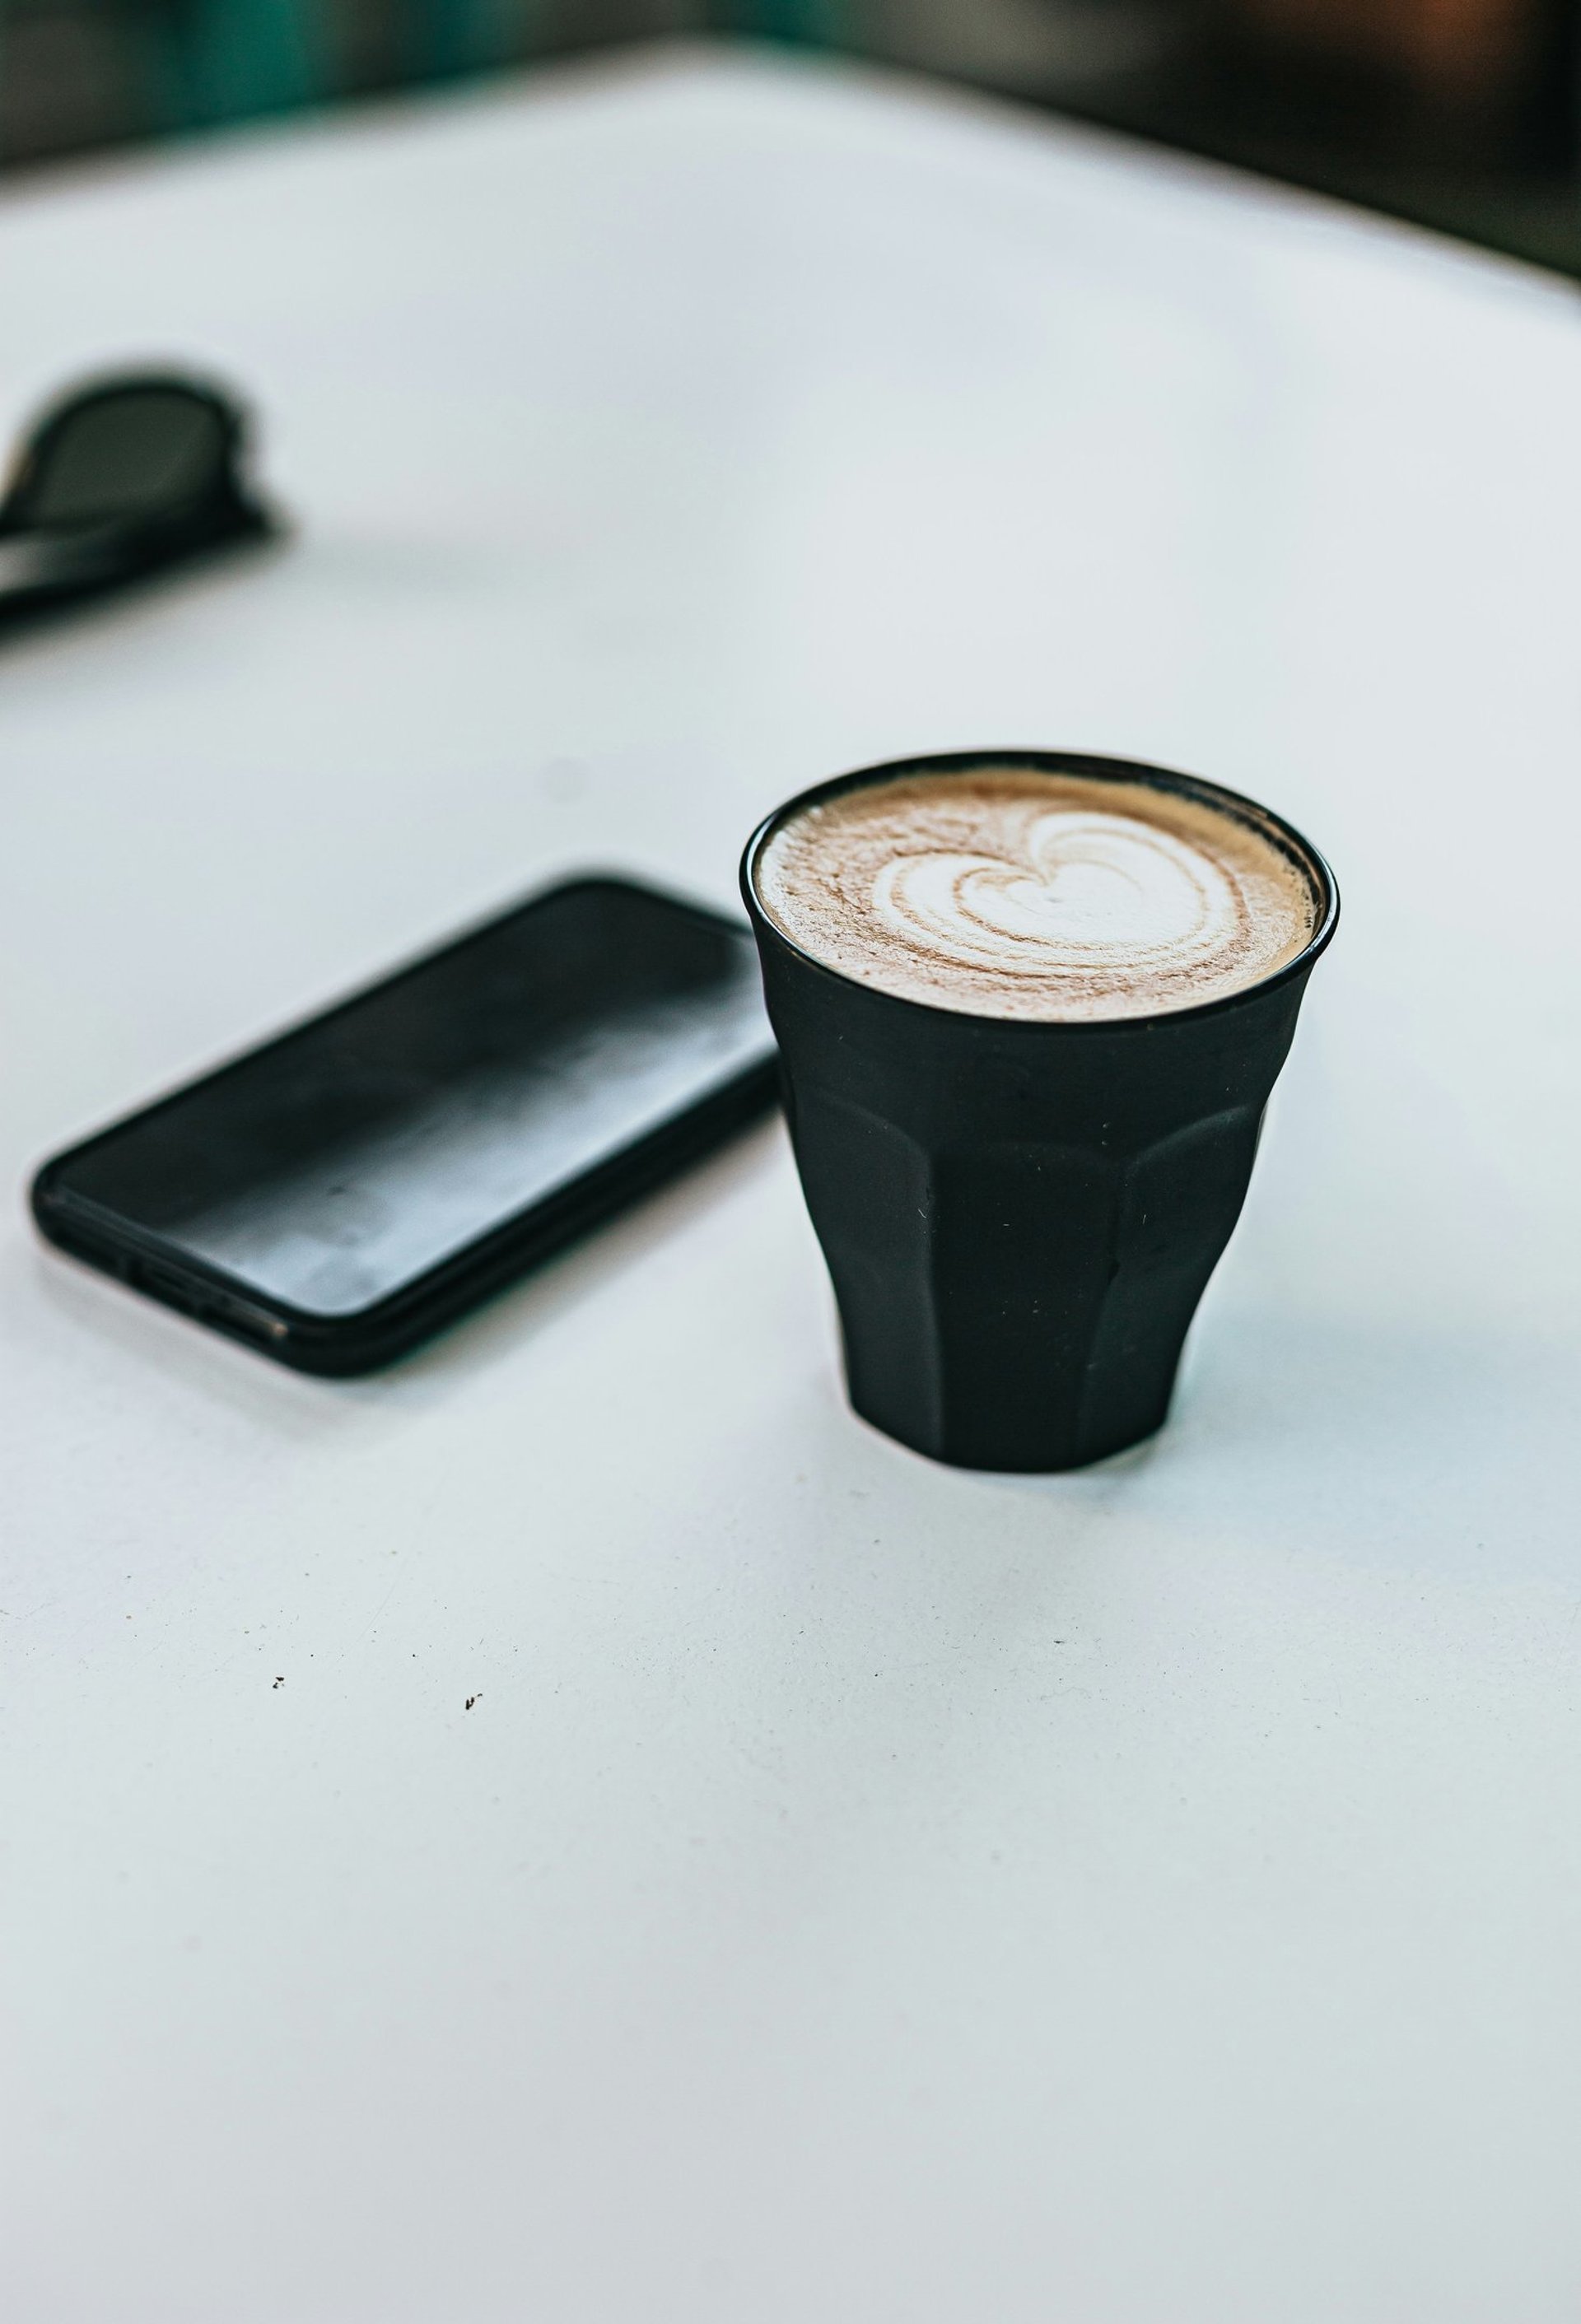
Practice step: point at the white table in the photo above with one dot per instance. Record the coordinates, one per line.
(858, 1891)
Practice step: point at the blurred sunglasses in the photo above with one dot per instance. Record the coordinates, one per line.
(119, 479)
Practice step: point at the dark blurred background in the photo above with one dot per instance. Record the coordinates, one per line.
(1462, 114)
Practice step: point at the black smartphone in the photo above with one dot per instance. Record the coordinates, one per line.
(337, 1195)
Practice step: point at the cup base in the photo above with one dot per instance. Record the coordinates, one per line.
(1046, 1457)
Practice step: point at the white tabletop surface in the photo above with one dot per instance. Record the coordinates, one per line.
(858, 1891)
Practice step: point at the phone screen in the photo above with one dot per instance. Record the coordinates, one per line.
(331, 1169)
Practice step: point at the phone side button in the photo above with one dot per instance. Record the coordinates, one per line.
(201, 1300)
(256, 1322)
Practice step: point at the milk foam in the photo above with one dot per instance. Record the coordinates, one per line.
(1010, 891)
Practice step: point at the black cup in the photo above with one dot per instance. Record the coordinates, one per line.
(1020, 1218)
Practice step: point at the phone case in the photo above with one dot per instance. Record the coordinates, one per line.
(641, 938)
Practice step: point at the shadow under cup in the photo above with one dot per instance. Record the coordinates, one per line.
(1019, 1217)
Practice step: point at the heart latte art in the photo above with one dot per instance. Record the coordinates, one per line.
(1011, 891)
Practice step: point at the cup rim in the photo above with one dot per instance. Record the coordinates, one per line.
(1289, 841)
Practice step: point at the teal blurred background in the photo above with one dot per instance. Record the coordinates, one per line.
(1463, 114)
(80, 73)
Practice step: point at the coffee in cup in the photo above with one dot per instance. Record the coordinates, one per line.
(1008, 890)
(1029, 1007)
